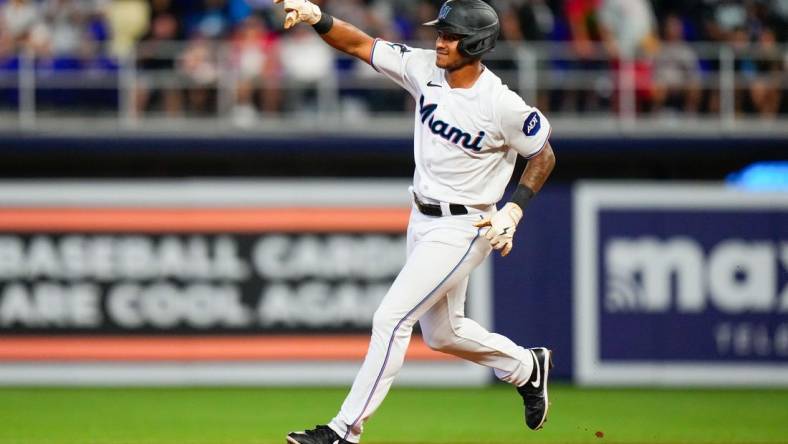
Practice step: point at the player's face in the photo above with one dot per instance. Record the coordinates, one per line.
(448, 55)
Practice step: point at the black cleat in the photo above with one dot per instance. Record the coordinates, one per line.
(320, 435)
(534, 392)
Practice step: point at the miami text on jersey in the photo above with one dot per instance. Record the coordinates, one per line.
(451, 133)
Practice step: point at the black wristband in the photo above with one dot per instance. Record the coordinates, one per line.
(324, 24)
(521, 196)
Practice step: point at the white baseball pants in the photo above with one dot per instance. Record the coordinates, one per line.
(442, 252)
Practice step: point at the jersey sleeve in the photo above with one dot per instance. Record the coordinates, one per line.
(401, 63)
(525, 129)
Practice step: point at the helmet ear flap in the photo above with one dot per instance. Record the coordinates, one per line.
(468, 48)
(476, 45)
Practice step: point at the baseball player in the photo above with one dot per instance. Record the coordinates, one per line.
(469, 129)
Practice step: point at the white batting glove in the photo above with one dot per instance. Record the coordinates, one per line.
(501, 226)
(300, 11)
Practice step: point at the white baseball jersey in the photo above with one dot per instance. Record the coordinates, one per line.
(466, 140)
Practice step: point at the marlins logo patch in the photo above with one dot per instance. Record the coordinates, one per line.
(532, 124)
(444, 11)
(400, 47)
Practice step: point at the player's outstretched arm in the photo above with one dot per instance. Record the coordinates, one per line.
(349, 39)
(504, 222)
(339, 34)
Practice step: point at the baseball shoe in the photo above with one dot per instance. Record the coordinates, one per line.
(320, 435)
(534, 392)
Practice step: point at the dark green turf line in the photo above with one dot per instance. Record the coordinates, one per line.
(429, 416)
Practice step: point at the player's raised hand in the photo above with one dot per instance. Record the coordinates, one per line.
(501, 227)
(300, 11)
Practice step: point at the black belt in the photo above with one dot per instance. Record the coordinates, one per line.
(435, 210)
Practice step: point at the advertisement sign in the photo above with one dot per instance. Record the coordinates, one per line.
(205, 282)
(680, 284)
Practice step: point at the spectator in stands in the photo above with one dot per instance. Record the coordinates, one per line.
(185, 9)
(536, 20)
(746, 68)
(394, 21)
(197, 67)
(424, 12)
(373, 17)
(724, 17)
(766, 87)
(169, 9)
(677, 73)
(63, 33)
(584, 59)
(156, 55)
(98, 26)
(504, 62)
(18, 20)
(583, 25)
(531, 20)
(67, 25)
(628, 32)
(778, 19)
(402, 18)
(510, 23)
(128, 20)
(627, 28)
(210, 22)
(239, 10)
(690, 12)
(255, 60)
(314, 65)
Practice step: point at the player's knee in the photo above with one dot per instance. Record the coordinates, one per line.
(383, 319)
(441, 343)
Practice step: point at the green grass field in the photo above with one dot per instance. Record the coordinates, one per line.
(494, 415)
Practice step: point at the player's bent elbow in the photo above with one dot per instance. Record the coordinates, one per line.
(551, 156)
(546, 157)
(363, 51)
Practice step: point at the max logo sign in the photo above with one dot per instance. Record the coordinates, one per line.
(653, 275)
(680, 284)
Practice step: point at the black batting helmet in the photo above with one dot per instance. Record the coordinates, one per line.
(474, 20)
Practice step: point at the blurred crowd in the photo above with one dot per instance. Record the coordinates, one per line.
(183, 50)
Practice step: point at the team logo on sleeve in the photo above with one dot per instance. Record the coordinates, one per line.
(400, 47)
(532, 124)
